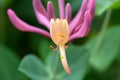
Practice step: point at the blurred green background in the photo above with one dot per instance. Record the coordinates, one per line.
(102, 43)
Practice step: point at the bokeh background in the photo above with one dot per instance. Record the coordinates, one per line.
(14, 44)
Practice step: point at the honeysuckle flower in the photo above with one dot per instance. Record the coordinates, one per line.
(61, 30)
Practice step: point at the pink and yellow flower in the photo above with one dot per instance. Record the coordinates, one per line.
(61, 30)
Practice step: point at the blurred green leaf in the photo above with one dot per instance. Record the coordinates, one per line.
(108, 51)
(4, 3)
(52, 70)
(33, 68)
(103, 5)
(8, 65)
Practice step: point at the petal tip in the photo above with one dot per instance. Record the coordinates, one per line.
(9, 11)
(68, 4)
(49, 2)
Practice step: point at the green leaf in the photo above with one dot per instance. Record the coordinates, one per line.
(33, 68)
(103, 5)
(108, 51)
(8, 65)
(52, 69)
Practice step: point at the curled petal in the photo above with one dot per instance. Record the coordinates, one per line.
(50, 10)
(40, 7)
(78, 19)
(68, 12)
(77, 28)
(83, 31)
(41, 13)
(91, 7)
(61, 8)
(21, 25)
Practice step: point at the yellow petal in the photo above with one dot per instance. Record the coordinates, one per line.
(59, 31)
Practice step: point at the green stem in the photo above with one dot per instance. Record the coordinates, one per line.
(55, 66)
(56, 60)
(101, 34)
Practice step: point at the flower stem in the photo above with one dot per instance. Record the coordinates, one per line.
(63, 59)
(101, 34)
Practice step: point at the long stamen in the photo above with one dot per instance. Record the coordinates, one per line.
(63, 59)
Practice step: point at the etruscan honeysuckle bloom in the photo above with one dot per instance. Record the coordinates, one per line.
(61, 30)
